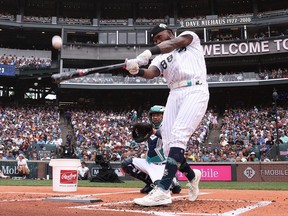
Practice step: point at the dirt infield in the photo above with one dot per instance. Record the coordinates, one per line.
(28, 200)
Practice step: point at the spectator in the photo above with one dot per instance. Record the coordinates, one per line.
(269, 141)
(214, 120)
(283, 137)
(83, 172)
(223, 141)
(69, 137)
(205, 155)
(68, 117)
(34, 156)
(94, 155)
(41, 141)
(210, 147)
(125, 154)
(58, 140)
(242, 157)
(86, 158)
(15, 149)
(224, 158)
(2, 157)
(22, 166)
(45, 157)
(78, 149)
(232, 156)
(252, 157)
(238, 159)
(263, 149)
(115, 157)
(10, 156)
(216, 153)
(245, 151)
(189, 156)
(84, 154)
(49, 141)
(66, 151)
(212, 158)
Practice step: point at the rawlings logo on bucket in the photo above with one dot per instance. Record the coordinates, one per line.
(68, 176)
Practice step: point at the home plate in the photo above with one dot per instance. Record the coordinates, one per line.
(74, 199)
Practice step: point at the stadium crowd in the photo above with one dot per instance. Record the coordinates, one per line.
(266, 74)
(22, 128)
(247, 131)
(243, 133)
(26, 63)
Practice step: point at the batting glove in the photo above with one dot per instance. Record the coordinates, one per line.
(143, 58)
(132, 66)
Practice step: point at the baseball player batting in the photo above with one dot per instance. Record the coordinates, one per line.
(150, 169)
(180, 60)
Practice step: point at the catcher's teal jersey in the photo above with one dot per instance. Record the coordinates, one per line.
(155, 152)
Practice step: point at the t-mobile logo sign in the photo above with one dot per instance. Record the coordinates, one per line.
(249, 172)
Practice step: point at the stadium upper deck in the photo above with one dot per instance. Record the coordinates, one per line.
(120, 29)
(237, 36)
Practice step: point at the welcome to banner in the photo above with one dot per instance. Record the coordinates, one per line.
(246, 48)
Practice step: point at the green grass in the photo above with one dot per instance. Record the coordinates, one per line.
(138, 184)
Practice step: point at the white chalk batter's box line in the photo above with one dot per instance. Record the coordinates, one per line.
(235, 212)
(97, 207)
(61, 195)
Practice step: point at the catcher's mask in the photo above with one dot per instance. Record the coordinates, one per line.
(156, 109)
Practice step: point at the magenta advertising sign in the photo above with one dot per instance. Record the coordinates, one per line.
(211, 173)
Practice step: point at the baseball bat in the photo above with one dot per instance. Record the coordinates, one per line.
(57, 78)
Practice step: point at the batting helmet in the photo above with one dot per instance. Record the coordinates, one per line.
(158, 28)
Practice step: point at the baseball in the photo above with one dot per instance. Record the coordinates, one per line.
(57, 42)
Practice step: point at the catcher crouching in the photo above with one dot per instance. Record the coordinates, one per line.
(150, 169)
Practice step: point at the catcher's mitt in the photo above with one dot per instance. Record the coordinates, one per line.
(141, 131)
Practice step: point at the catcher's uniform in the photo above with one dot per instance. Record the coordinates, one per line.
(155, 161)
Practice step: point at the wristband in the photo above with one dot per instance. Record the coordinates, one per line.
(155, 50)
(140, 72)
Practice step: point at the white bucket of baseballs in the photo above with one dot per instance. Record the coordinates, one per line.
(57, 42)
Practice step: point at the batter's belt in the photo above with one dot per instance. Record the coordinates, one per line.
(185, 83)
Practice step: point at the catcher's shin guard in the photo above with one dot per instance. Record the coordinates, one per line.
(130, 169)
(148, 187)
(175, 187)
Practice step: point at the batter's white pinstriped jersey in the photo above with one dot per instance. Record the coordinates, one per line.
(187, 105)
(183, 64)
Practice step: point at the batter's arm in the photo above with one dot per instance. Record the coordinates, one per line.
(150, 73)
(175, 43)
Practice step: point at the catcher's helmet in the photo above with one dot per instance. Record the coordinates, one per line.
(156, 109)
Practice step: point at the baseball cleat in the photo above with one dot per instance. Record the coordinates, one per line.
(155, 198)
(193, 186)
